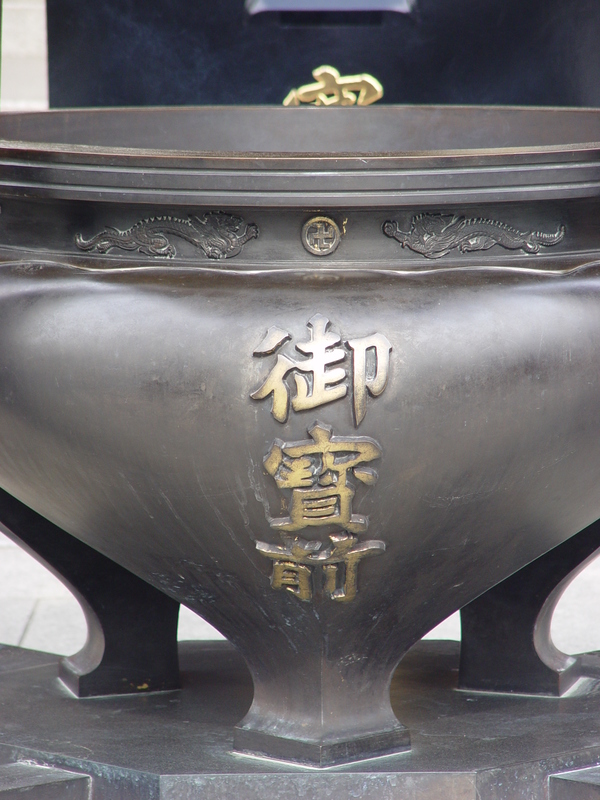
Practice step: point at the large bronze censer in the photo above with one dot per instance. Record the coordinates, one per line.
(324, 376)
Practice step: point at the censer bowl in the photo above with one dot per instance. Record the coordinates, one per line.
(324, 376)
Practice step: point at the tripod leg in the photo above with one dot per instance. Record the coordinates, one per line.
(132, 627)
(506, 644)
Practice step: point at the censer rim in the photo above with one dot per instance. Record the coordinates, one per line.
(272, 156)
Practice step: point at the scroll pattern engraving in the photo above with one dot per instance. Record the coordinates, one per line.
(436, 235)
(218, 235)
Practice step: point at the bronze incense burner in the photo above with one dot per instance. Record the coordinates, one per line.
(324, 376)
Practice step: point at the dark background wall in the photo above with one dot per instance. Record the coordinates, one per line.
(168, 52)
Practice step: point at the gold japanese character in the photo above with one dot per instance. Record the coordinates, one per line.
(324, 384)
(376, 382)
(317, 470)
(318, 378)
(294, 563)
(294, 577)
(333, 89)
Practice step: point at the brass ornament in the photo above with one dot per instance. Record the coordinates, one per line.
(320, 375)
(333, 89)
(321, 236)
(295, 561)
(318, 476)
(320, 472)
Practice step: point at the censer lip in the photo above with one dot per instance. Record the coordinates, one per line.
(64, 131)
(234, 156)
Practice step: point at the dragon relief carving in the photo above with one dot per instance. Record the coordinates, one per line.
(435, 235)
(218, 235)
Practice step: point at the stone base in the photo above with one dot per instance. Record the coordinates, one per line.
(179, 745)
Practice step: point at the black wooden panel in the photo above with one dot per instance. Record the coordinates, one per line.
(168, 52)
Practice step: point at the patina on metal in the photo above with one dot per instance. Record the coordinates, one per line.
(324, 457)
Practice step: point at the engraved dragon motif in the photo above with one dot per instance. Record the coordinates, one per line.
(435, 235)
(217, 234)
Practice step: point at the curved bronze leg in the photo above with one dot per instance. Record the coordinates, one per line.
(132, 627)
(506, 644)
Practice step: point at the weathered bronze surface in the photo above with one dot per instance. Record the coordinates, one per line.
(436, 235)
(324, 457)
(216, 235)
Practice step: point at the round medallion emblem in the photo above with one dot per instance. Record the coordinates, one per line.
(321, 236)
